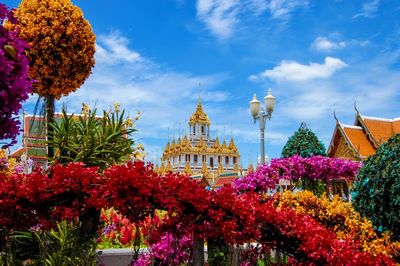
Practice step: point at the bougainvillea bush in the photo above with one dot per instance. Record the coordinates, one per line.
(15, 84)
(340, 217)
(135, 190)
(295, 168)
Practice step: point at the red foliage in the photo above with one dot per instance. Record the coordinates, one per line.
(136, 191)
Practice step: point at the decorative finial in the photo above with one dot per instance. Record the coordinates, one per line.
(334, 115)
(355, 106)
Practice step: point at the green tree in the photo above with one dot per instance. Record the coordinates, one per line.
(303, 143)
(306, 144)
(377, 188)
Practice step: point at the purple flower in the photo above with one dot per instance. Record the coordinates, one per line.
(15, 84)
(295, 168)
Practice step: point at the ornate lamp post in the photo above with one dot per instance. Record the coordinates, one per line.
(258, 113)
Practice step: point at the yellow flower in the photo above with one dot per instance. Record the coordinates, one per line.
(340, 217)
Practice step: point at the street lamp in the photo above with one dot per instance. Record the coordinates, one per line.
(258, 113)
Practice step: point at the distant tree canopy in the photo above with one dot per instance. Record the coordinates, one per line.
(377, 188)
(306, 144)
(303, 143)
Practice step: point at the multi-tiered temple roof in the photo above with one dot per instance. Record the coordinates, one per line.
(361, 140)
(198, 153)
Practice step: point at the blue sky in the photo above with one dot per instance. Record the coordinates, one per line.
(317, 56)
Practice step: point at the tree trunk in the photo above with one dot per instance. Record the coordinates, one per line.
(50, 100)
(198, 250)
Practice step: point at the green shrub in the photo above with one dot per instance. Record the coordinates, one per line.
(377, 188)
(93, 140)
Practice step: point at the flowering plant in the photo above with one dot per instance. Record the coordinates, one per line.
(136, 191)
(340, 217)
(296, 168)
(15, 84)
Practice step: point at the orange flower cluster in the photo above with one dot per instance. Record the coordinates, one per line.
(62, 45)
(342, 219)
(7, 165)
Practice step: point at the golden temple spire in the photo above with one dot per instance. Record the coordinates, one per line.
(162, 168)
(188, 169)
(169, 167)
(199, 116)
(220, 168)
(232, 146)
(204, 170)
(250, 168)
(202, 145)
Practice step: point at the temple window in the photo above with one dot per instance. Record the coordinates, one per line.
(219, 159)
(204, 158)
(226, 159)
(202, 130)
(212, 162)
(234, 159)
(179, 158)
(194, 130)
(195, 158)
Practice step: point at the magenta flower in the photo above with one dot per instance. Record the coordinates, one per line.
(15, 84)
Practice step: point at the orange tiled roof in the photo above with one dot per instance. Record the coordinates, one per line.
(380, 129)
(222, 181)
(396, 126)
(359, 140)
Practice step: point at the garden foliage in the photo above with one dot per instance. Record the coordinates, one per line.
(136, 191)
(94, 140)
(377, 188)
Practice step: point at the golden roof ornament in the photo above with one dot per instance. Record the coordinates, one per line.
(216, 146)
(225, 148)
(188, 169)
(169, 167)
(232, 146)
(202, 145)
(199, 116)
(220, 168)
(162, 168)
(236, 168)
(204, 170)
(250, 168)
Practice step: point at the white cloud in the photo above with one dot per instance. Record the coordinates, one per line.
(113, 48)
(281, 9)
(222, 17)
(368, 9)
(294, 71)
(219, 16)
(162, 95)
(323, 44)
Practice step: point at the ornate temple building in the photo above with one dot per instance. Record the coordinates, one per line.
(358, 141)
(198, 153)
